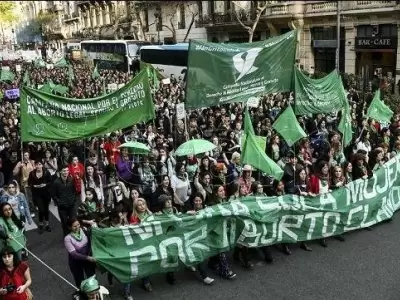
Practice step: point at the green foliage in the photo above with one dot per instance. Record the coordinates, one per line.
(7, 15)
(43, 19)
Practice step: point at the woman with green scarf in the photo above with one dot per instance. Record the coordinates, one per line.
(89, 211)
(13, 229)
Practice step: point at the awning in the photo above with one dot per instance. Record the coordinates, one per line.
(376, 50)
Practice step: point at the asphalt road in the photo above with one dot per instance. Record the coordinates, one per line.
(366, 266)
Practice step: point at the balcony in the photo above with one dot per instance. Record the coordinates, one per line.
(320, 8)
(71, 17)
(218, 19)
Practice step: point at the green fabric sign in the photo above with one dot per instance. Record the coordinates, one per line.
(165, 243)
(288, 127)
(313, 96)
(48, 117)
(260, 140)
(378, 110)
(222, 73)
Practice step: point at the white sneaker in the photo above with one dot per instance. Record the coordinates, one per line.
(208, 280)
(32, 215)
(193, 269)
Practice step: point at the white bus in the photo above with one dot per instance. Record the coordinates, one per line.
(120, 55)
(168, 59)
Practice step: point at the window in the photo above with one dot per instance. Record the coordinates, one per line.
(165, 57)
(364, 31)
(200, 7)
(324, 60)
(387, 30)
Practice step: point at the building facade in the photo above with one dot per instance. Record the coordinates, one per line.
(369, 30)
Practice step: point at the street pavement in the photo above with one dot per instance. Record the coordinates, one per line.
(366, 266)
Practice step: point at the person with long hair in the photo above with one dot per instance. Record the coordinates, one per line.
(90, 210)
(76, 171)
(181, 185)
(15, 276)
(40, 182)
(50, 164)
(18, 202)
(125, 166)
(219, 262)
(164, 188)
(78, 247)
(92, 180)
(13, 228)
(140, 211)
(348, 171)
(319, 184)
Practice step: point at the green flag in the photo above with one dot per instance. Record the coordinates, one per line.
(254, 155)
(222, 73)
(47, 88)
(96, 73)
(345, 125)
(288, 127)
(248, 126)
(47, 117)
(378, 110)
(26, 79)
(62, 63)
(61, 89)
(7, 75)
(313, 96)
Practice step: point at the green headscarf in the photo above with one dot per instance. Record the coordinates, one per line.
(90, 285)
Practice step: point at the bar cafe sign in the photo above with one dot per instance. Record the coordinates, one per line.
(376, 43)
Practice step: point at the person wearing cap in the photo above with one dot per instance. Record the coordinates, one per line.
(91, 290)
(245, 181)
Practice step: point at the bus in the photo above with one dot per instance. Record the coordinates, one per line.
(122, 55)
(168, 59)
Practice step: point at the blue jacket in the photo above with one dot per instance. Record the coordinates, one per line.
(22, 205)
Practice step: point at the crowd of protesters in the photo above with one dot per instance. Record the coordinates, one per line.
(95, 183)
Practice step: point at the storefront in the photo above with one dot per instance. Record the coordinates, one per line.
(376, 48)
(324, 47)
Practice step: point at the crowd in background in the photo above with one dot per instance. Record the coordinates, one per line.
(111, 187)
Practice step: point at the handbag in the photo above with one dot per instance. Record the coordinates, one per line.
(29, 295)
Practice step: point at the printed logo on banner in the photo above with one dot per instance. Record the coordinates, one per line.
(244, 61)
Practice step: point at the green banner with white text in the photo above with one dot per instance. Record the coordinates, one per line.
(47, 117)
(323, 95)
(223, 73)
(166, 243)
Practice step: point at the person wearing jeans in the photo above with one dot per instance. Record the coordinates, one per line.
(64, 197)
(40, 181)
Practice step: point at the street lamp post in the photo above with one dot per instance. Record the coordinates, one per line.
(337, 60)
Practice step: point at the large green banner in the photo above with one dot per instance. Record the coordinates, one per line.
(47, 117)
(222, 73)
(165, 243)
(323, 95)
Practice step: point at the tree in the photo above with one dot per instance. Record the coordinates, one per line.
(250, 29)
(43, 21)
(194, 12)
(7, 16)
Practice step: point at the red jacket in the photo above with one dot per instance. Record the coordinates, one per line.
(77, 172)
(112, 151)
(313, 184)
